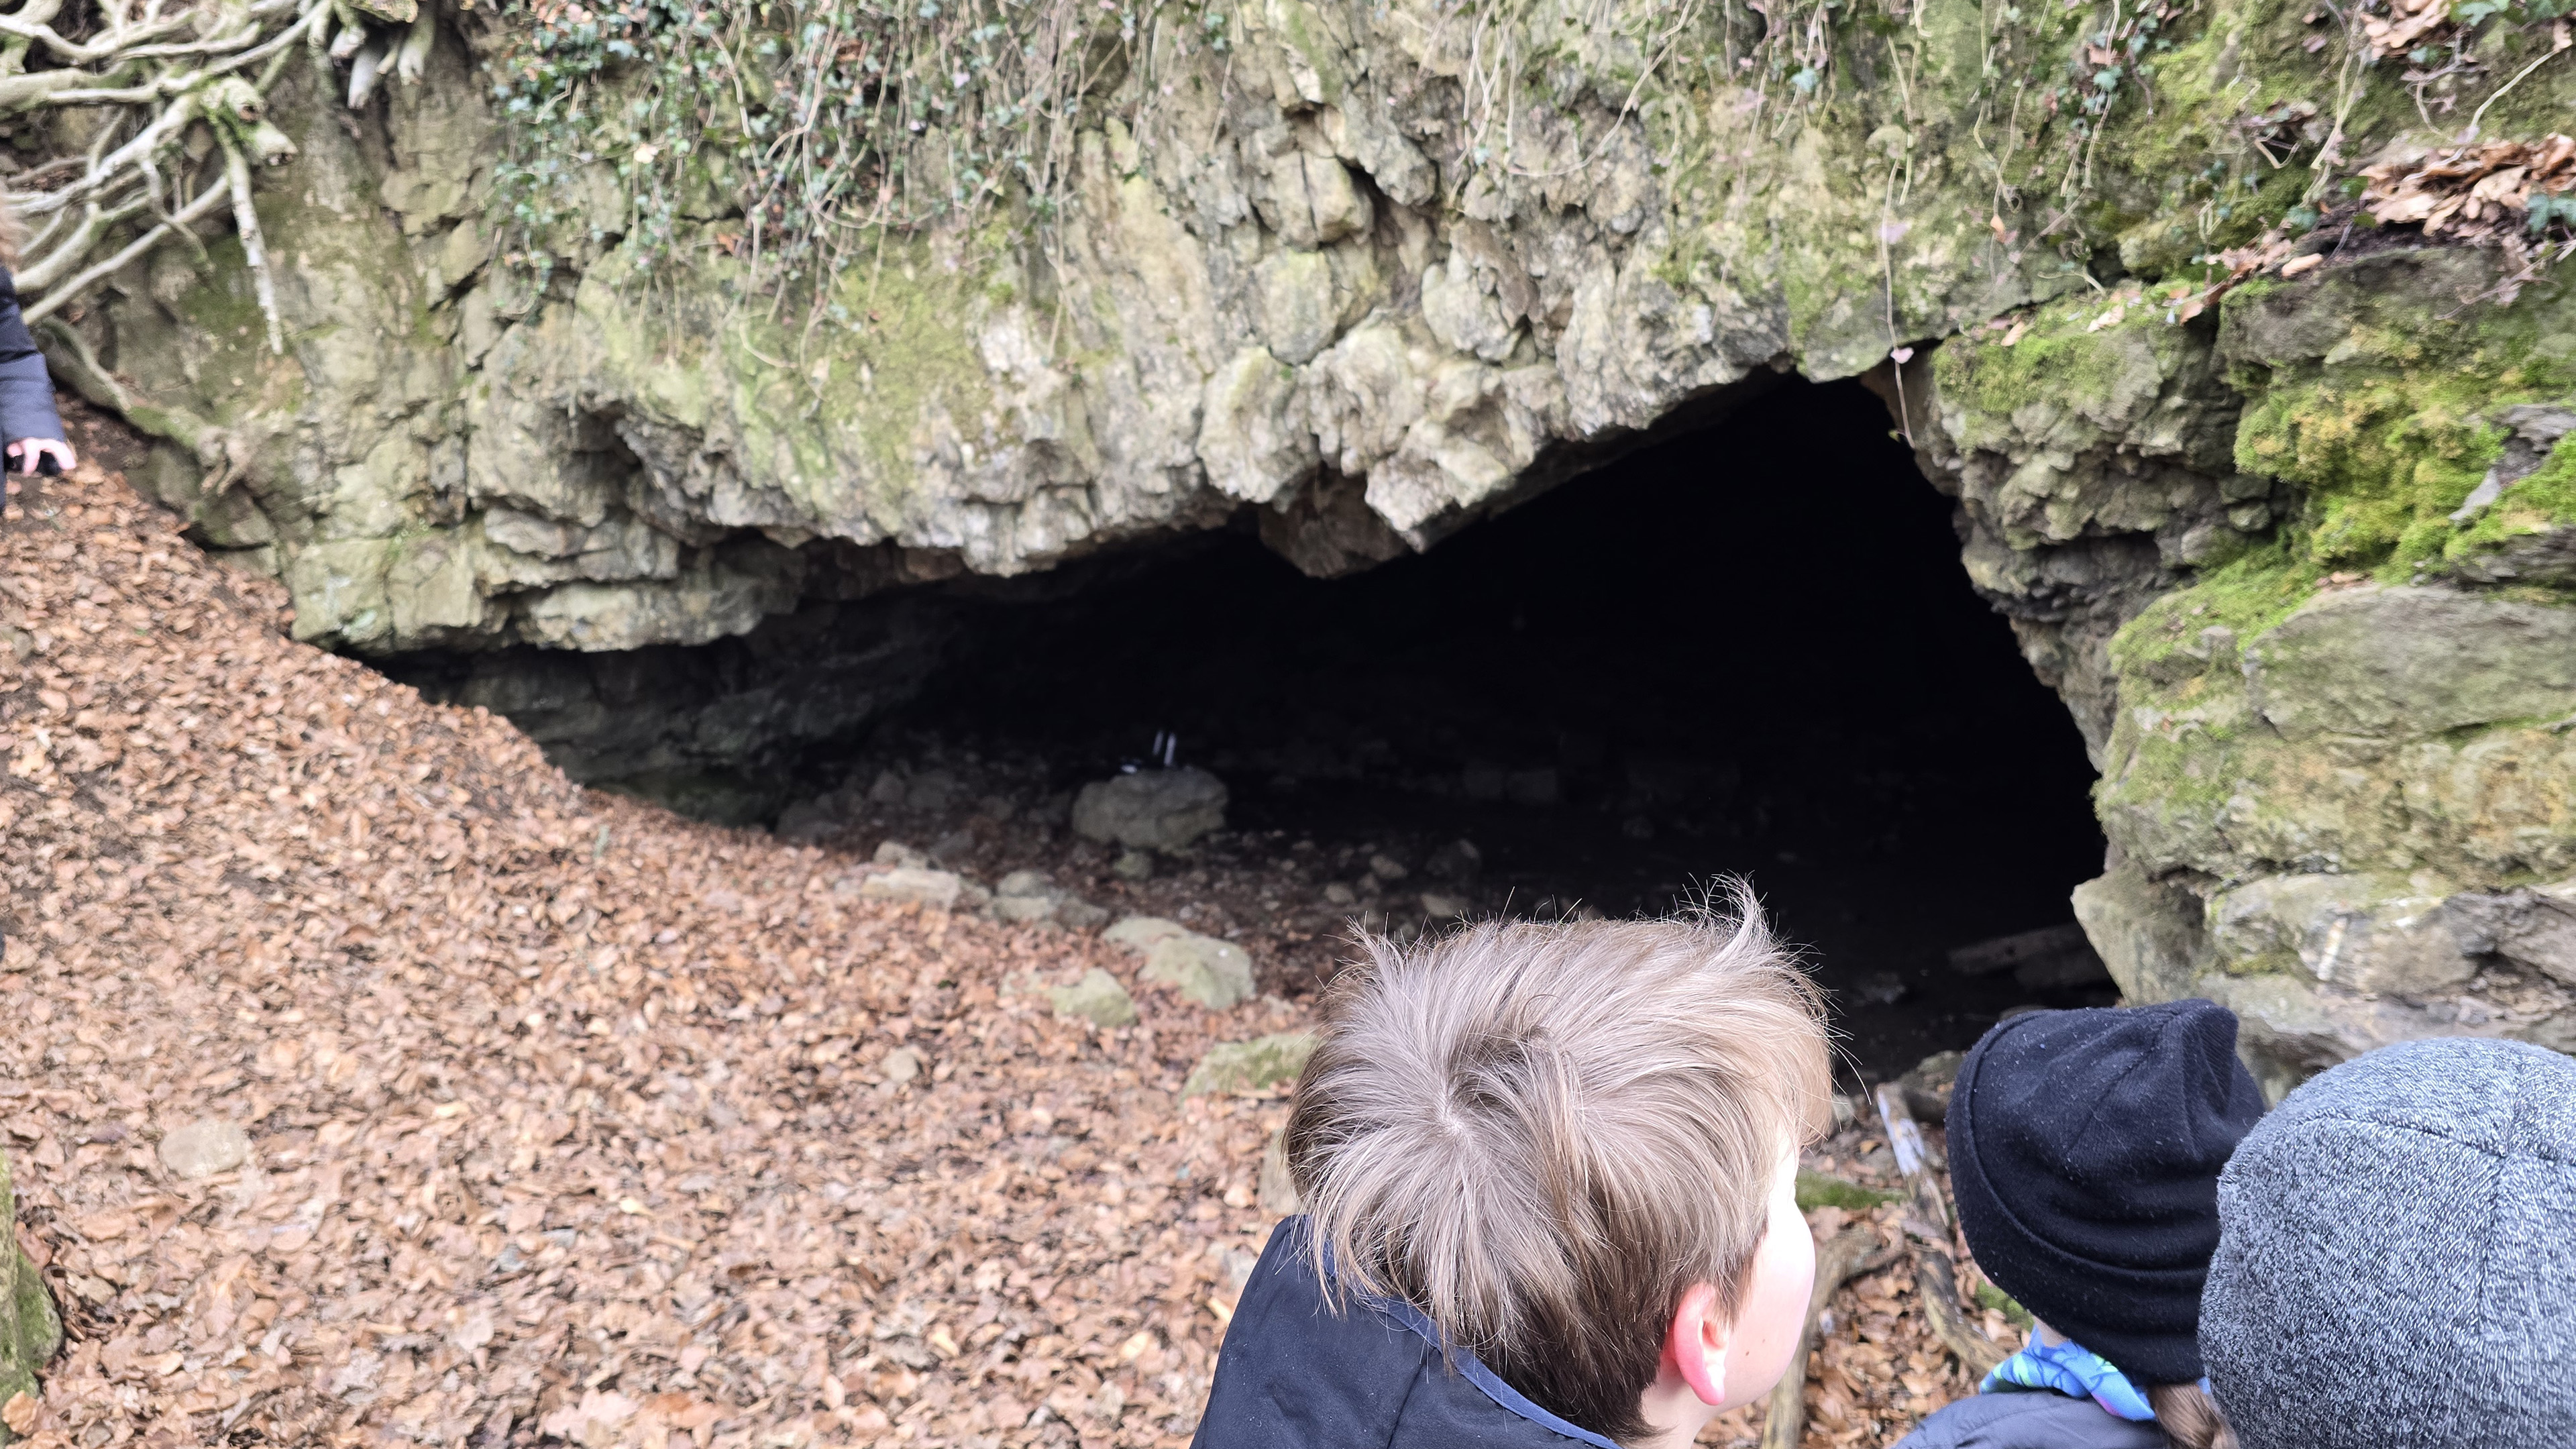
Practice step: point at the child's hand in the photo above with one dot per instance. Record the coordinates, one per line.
(27, 454)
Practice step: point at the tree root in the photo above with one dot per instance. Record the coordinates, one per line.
(157, 72)
(254, 248)
(67, 354)
(1851, 1253)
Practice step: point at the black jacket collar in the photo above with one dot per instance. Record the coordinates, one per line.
(1294, 1374)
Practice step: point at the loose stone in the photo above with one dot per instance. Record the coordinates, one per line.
(204, 1148)
(1097, 998)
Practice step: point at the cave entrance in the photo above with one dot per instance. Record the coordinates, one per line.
(1747, 650)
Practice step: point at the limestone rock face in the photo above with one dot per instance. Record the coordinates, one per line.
(2300, 559)
(2338, 794)
(1292, 281)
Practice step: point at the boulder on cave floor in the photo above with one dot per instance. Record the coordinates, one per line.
(937, 890)
(2050, 958)
(1215, 974)
(1249, 1066)
(1027, 897)
(204, 1148)
(1142, 934)
(1151, 809)
(1097, 998)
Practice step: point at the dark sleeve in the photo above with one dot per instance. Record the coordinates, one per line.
(26, 388)
(2036, 1419)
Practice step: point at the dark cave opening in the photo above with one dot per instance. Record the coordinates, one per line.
(1749, 650)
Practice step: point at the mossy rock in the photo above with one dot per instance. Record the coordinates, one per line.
(1097, 998)
(1997, 1300)
(1249, 1066)
(1823, 1189)
(31, 1330)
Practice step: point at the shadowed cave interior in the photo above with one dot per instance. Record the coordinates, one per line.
(1748, 649)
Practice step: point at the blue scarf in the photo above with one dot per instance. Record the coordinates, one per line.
(2069, 1368)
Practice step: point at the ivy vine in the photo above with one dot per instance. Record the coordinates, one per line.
(783, 131)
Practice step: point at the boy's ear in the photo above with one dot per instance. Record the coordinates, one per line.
(1695, 1346)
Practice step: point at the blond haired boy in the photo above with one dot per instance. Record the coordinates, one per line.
(1550, 1172)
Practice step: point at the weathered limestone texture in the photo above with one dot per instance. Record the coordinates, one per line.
(2298, 558)
(31, 1328)
(1151, 809)
(1297, 291)
(2338, 773)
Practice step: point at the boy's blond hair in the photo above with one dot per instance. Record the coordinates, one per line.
(1541, 1135)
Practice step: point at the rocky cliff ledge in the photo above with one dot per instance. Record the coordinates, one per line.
(2287, 527)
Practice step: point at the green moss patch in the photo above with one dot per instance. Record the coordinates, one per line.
(2061, 359)
(2543, 501)
(2385, 422)
(2170, 640)
(1996, 1300)
(1823, 1189)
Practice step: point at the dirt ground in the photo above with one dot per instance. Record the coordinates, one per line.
(569, 1120)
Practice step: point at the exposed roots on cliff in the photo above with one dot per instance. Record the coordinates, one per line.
(184, 90)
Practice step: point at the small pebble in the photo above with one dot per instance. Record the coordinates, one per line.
(204, 1148)
(901, 1066)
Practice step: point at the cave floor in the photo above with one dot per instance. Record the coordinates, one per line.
(553, 1115)
(1745, 651)
(1875, 927)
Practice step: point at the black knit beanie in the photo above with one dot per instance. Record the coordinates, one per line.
(2085, 1148)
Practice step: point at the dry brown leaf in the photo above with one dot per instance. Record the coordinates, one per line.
(2475, 191)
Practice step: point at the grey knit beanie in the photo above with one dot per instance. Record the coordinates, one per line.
(2396, 1261)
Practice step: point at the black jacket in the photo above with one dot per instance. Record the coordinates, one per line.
(1295, 1375)
(26, 389)
(2035, 1419)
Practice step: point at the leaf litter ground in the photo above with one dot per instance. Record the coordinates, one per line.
(571, 1120)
